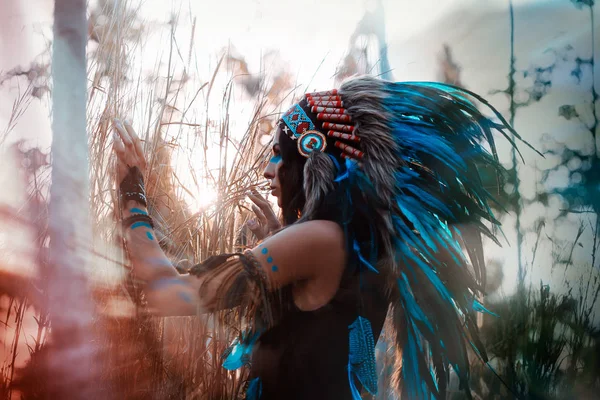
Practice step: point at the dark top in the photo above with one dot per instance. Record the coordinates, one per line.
(305, 355)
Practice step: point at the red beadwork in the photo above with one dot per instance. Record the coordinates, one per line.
(302, 127)
(323, 98)
(311, 141)
(344, 136)
(328, 110)
(338, 127)
(335, 97)
(332, 92)
(352, 152)
(326, 103)
(334, 117)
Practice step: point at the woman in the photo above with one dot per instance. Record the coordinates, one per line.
(381, 197)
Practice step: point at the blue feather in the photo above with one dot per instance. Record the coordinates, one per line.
(355, 393)
(440, 144)
(411, 307)
(356, 248)
(477, 306)
(438, 134)
(238, 354)
(350, 172)
(361, 357)
(254, 390)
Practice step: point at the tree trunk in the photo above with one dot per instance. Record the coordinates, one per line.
(73, 368)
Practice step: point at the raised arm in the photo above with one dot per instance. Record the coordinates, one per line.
(312, 252)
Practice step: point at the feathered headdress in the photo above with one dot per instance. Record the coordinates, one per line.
(412, 151)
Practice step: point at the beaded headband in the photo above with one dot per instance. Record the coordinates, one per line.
(319, 116)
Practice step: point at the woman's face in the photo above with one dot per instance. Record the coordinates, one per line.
(272, 169)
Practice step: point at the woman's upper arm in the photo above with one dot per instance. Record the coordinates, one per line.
(313, 250)
(301, 252)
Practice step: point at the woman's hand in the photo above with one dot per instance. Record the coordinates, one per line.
(128, 148)
(266, 221)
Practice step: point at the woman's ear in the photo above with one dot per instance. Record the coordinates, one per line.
(319, 175)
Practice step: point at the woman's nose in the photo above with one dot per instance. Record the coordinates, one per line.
(269, 172)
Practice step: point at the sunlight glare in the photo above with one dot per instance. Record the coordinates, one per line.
(205, 198)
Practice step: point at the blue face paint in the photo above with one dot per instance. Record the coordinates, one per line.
(149, 235)
(264, 251)
(141, 223)
(270, 259)
(185, 297)
(274, 268)
(138, 211)
(276, 159)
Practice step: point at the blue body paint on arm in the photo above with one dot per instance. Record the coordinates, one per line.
(138, 211)
(185, 297)
(274, 268)
(141, 223)
(149, 235)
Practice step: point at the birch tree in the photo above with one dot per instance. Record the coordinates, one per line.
(72, 364)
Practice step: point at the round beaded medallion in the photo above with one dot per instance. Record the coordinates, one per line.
(311, 141)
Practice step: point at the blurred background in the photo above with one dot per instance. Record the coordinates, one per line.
(203, 83)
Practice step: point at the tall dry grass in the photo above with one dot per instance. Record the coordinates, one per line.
(150, 357)
(146, 357)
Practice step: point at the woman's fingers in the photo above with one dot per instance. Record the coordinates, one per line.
(256, 200)
(270, 217)
(118, 145)
(119, 148)
(256, 229)
(265, 221)
(131, 151)
(272, 220)
(121, 153)
(260, 206)
(123, 134)
(259, 214)
(137, 143)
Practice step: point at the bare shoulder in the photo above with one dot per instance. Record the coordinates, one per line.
(305, 251)
(321, 231)
(313, 238)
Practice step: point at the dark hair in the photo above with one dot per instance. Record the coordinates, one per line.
(291, 178)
